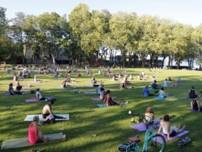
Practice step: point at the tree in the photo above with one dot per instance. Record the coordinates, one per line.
(124, 33)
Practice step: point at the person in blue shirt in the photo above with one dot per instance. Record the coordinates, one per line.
(146, 92)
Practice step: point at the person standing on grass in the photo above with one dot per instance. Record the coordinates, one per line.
(195, 104)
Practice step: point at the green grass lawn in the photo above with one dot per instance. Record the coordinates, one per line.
(96, 130)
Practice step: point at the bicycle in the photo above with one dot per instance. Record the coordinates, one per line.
(153, 142)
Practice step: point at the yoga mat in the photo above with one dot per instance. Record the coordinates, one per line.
(22, 142)
(160, 98)
(89, 92)
(141, 127)
(96, 99)
(101, 105)
(31, 100)
(180, 134)
(30, 117)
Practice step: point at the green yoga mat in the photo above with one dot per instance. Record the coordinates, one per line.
(22, 142)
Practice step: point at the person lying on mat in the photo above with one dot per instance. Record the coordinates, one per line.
(149, 115)
(34, 132)
(108, 101)
(10, 89)
(146, 92)
(47, 113)
(166, 129)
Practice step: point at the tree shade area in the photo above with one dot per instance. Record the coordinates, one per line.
(94, 36)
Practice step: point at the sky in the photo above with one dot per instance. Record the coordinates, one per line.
(183, 11)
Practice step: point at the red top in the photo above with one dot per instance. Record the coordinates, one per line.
(32, 134)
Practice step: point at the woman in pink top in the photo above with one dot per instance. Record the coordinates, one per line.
(34, 132)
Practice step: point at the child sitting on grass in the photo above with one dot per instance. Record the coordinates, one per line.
(149, 115)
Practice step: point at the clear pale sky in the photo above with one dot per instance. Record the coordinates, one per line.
(184, 11)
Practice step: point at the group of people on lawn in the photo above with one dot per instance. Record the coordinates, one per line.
(165, 127)
(34, 132)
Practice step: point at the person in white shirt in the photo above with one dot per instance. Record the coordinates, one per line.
(39, 95)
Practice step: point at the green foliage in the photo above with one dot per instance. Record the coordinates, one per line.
(86, 32)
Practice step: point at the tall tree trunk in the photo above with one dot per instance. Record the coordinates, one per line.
(151, 60)
(53, 59)
(142, 56)
(162, 65)
(169, 61)
(123, 59)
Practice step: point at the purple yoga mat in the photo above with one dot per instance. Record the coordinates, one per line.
(141, 127)
(184, 132)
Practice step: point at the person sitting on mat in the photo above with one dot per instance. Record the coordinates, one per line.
(34, 132)
(47, 113)
(98, 89)
(166, 129)
(39, 95)
(65, 83)
(165, 83)
(18, 89)
(154, 85)
(10, 89)
(125, 83)
(146, 92)
(149, 115)
(161, 94)
(195, 105)
(108, 99)
(94, 82)
(102, 93)
(192, 93)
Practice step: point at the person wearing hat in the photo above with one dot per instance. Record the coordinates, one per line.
(34, 132)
